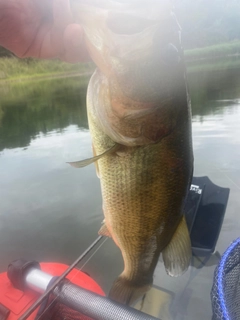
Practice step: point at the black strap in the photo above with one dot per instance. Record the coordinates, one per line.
(44, 304)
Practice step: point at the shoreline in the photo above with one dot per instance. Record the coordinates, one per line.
(217, 51)
(43, 76)
(192, 57)
(209, 58)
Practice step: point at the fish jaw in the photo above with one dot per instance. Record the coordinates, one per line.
(108, 41)
(137, 97)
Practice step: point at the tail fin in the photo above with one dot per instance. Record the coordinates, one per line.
(126, 292)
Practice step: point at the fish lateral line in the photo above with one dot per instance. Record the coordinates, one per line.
(86, 162)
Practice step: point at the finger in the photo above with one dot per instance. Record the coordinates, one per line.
(62, 15)
(74, 46)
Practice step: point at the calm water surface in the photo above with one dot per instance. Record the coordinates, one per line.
(52, 212)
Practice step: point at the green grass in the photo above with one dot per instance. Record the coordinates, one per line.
(14, 68)
(213, 65)
(216, 51)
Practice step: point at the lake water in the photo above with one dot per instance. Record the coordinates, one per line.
(50, 211)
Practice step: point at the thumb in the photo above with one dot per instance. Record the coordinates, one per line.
(74, 44)
(62, 15)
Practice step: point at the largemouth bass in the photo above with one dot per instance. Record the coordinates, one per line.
(140, 123)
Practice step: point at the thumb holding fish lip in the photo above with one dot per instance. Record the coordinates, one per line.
(62, 14)
(68, 36)
(63, 38)
(74, 46)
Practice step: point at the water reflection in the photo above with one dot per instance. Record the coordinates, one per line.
(213, 90)
(28, 109)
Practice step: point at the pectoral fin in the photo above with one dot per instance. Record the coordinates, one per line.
(86, 162)
(177, 254)
(96, 163)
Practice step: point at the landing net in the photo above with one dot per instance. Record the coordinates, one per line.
(225, 293)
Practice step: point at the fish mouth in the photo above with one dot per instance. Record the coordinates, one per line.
(134, 43)
(126, 24)
(134, 16)
(125, 17)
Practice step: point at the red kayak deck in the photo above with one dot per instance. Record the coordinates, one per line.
(18, 302)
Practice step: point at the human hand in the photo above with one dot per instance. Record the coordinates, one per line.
(42, 29)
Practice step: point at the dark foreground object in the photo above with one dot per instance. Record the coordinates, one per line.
(204, 210)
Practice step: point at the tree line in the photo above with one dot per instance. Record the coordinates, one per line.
(205, 23)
